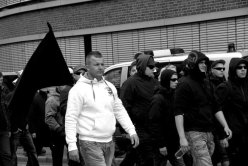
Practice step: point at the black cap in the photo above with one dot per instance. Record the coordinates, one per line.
(216, 62)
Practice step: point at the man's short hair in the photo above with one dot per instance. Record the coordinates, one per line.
(96, 54)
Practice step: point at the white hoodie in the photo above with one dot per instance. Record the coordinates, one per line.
(92, 109)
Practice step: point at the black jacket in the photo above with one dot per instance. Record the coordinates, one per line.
(232, 97)
(136, 93)
(4, 113)
(161, 118)
(194, 99)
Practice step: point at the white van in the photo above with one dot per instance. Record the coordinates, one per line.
(118, 73)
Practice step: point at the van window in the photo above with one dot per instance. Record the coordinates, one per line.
(114, 76)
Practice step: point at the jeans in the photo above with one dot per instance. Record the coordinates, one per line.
(201, 147)
(97, 153)
(24, 138)
(5, 151)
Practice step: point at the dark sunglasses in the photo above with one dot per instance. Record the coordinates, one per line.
(241, 67)
(173, 79)
(151, 66)
(77, 73)
(219, 68)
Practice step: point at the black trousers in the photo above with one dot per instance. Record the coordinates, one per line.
(5, 150)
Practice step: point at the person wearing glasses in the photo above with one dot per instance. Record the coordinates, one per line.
(136, 94)
(216, 78)
(162, 120)
(195, 110)
(232, 97)
(92, 110)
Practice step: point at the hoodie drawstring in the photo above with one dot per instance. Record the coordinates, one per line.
(93, 90)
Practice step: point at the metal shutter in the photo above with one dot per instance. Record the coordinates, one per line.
(72, 49)
(103, 43)
(150, 39)
(185, 36)
(164, 38)
(242, 32)
(215, 35)
(62, 46)
(125, 45)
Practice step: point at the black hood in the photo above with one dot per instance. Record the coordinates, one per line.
(141, 63)
(232, 76)
(193, 60)
(165, 78)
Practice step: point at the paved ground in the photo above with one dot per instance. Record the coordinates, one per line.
(47, 159)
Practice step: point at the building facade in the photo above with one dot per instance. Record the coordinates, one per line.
(119, 28)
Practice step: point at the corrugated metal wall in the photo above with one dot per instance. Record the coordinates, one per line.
(13, 57)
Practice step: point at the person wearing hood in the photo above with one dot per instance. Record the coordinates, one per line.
(216, 78)
(92, 109)
(161, 118)
(232, 97)
(136, 94)
(195, 108)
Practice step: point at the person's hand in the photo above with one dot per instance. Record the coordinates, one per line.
(74, 155)
(224, 143)
(228, 132)
(184, 145)
(163, 151)
(134, 140)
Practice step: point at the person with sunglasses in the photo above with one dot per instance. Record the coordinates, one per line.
(136, 94)
(217, 77)
(161, 119)
(232, 97)
(195, 110)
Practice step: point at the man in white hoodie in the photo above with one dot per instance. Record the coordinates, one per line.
(92, 109)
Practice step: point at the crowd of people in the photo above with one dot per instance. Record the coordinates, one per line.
(192, 108)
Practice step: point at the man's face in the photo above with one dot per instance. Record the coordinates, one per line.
(241, 70)
(150, 70)
(218, 70)
(173, 81)
(202, 66)
(96, 67)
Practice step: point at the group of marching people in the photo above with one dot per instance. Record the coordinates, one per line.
(196, 110)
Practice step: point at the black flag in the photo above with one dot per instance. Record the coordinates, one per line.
(45, 68)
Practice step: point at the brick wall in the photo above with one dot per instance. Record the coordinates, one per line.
(108, 12)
